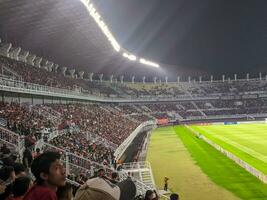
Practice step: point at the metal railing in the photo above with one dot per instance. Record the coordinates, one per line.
(11, 85)
(121, 149)
(100, 140)
(13, 140)
(3, 122)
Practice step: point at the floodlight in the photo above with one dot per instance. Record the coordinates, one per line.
(129, 56)
(104, 28)
(147, 62)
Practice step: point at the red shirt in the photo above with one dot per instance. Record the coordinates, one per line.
(38, 192)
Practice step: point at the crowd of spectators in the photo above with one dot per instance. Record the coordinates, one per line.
(45, 178)
(191, 109)
(56, 79)
(94, 118)
(127, 109)
(22, 120)
(78, 144)
(113, 122)
(85, 120)
(42, 175)
(149, 89)
(162, 107)
(26, 119)
(142, 117)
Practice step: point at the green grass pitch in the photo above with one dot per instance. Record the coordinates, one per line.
(247, 141)
(198, 171)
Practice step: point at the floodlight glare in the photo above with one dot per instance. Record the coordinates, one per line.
(129, 56)
(97, 17)
(101, 24)
(85, 2)
(147, 62)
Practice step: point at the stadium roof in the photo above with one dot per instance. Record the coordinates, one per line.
(203, 36)
(64, 32)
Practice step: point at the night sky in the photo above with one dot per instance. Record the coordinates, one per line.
(213, 36)
(193, 37)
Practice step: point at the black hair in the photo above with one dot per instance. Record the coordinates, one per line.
(5, 172)
(114, 175)
(101, 170)
(42, 164)
(148, 193)
(18, 168)
(174, 196)
(21, 186)
(63, 191)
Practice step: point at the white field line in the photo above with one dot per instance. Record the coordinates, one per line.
(243, 148)
(252, 170)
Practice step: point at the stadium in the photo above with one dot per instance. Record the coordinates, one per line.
(85, 115)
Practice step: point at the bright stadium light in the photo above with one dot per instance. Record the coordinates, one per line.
(98, 19)
(129, 56)
(104, 28)
(85, 2)
(147, 62)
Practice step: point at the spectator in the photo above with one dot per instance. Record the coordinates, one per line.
(114, 177)
(99, 188)
(50, 174)
(166, 179)
(27, 158)
(19, 170)
(101, 173)
(37, 153)
(7, 176)
(8, 159)
(174, 196)
(20, 186)
(64, 192)
(150, 195)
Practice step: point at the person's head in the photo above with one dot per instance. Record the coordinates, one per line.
(64, 192)
(49, 170)
(21, 185)
(101, 173)
(150, 195)
(7, 174)
(114, 176)
(19, 170)
(38, 150)
(174, 196)
(127, 188)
